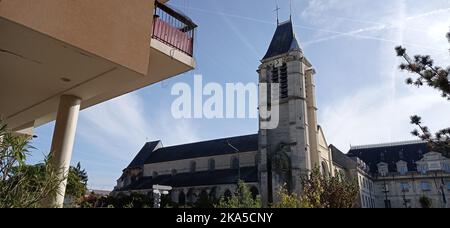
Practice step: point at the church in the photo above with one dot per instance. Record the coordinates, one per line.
(266, 160)
(271, 158)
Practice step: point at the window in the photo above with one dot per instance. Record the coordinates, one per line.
(174, 172)
(211, 164)
(193, 166)
(363, 201)
(235, 163)
(325, 169)
(284, 92)
(274, 75)
(155, 174)
(426, 186)
(448, 186)
(404, 187)
(403, 169)
(423, 169)
(447, 167)
(383, 169)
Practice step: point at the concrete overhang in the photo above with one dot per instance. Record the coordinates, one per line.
(38, 66)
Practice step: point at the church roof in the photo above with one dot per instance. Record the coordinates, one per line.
(410, 152)
(211, 148)
(339, 158)
(206, 178)
(144, 154)
(283, 40)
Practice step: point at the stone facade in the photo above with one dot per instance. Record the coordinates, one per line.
(401, 174)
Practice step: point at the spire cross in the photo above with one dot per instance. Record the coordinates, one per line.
(277, 9)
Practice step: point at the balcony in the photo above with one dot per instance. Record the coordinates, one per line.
(173, 28)
(86, 49)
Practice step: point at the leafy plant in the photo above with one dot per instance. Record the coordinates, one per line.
(425, 202)
(23, 186)
(320, 192)
(242, 198)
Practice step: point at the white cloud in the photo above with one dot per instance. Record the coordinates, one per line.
(374, 115)
(116, 130)
(380, 112)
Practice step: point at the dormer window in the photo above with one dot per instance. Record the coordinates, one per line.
(383, 169)
(402, 167)
(447, 167)
(422, 168)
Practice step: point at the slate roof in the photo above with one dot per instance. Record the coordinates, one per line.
(372, 155)
(217, 177)
(339, 157)
(143, 154)
(202, 149)
(283, 40)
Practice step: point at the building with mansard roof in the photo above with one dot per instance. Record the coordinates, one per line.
(400, 174)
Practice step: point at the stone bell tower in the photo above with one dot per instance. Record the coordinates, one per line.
(284, 152)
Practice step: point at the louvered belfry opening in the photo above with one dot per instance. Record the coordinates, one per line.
(280, 75)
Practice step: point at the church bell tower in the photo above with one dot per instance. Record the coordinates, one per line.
(284, 153)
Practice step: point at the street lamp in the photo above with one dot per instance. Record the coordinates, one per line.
(158, 191)
(387, 203)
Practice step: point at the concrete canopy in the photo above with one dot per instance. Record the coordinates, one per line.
(42, 59)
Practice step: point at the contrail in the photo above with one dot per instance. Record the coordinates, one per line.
(338, 34)
(355, 33)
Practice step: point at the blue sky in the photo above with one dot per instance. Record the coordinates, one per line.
(361, 94)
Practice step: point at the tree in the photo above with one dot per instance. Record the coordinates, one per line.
(288, 200)
(321, 192)
(76, 183)
(436, 77)
(81, 173)
(242, 198)
(21, 185)
(425, 202)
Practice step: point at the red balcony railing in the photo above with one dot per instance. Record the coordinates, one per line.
(173, 28)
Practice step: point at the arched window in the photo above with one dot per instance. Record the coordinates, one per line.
(211, 164)
(227, 195)
(193, 167)
(191, 196)
(235, 163)
(182, 198)
(325, 172)
(203, 197)
(255, 192)
(213, 193)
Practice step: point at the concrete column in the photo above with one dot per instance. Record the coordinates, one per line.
(63, 140)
